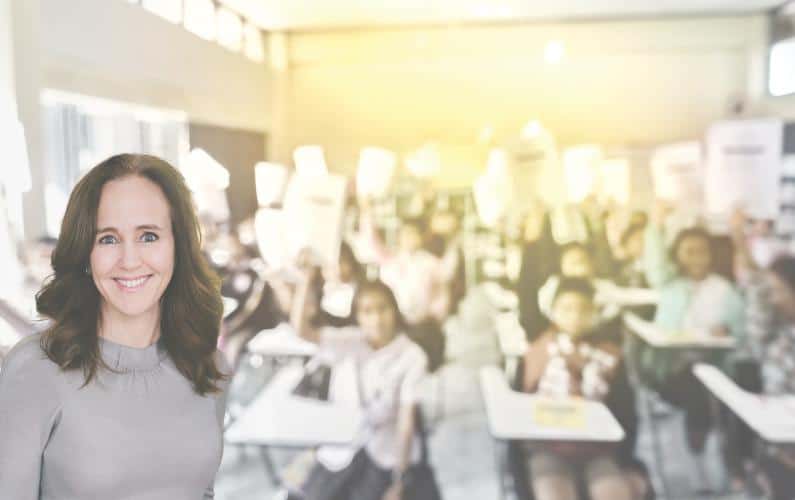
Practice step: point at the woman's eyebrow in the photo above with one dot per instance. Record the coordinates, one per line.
(142, 226)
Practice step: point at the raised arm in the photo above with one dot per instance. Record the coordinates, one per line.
(657, 266)
(369, 236)
(306, 304)
(744, 265)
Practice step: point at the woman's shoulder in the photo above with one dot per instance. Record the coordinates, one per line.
(28, 355)
(27, 365)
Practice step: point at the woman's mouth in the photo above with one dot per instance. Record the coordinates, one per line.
(133, 284)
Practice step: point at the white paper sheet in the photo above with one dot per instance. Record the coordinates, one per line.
(314, 209)
(744, 167)
(678, 174)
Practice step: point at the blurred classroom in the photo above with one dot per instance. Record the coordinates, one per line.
(584, 210)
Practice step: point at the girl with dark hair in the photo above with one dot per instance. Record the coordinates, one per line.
(379, 368)
(693, 299)
(125, 390)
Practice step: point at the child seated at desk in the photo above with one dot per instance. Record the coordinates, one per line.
(576, 261)
(378, 368)
(770, 320)
(694, 300)
(569, 359)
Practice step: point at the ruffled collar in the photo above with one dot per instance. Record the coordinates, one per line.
(126, 358)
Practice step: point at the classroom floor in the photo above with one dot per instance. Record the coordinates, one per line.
(461, 449)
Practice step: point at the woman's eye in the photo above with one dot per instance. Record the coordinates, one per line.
(107, 240)
(149, 237)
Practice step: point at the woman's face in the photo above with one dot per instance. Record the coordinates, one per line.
(782, 297)
(377, 318)
(694, 257)
(576, 263)
(132, 259)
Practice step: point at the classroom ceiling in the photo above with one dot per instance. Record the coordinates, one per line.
(299, 15)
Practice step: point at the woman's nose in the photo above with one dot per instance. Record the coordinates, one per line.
(130, 258)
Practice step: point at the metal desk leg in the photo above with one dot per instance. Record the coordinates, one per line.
(270, 468)
(500, 463)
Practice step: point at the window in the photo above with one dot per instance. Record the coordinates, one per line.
(170, 10)
(210, 22)
(81, 131)
(254, 46)
(200, 18)
(230, 29)
(782, 67)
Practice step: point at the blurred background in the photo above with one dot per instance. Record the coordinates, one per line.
(338, 124)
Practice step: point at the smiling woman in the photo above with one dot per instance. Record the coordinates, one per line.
(88, 406)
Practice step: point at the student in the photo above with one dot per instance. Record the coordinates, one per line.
(693, 299)
(567, 361)
(576, 262)
(415, 275)
(444, 242)
(124, 392)
(770, 316)
(540, 260)
(631, 272)
(379, 368)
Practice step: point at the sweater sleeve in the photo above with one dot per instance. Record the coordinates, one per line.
(29, 411)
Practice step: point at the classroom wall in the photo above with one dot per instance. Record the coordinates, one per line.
(634, 83)
(112, 49)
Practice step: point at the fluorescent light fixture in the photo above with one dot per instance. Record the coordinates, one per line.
(271, 180)
(554, 52)
(310, 161)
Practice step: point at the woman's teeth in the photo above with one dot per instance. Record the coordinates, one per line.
(131, 284)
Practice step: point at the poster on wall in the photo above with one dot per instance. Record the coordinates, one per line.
(744, 167)
(314, 210)
(677, 172)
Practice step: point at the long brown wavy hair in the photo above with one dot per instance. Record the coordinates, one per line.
(190, 309)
